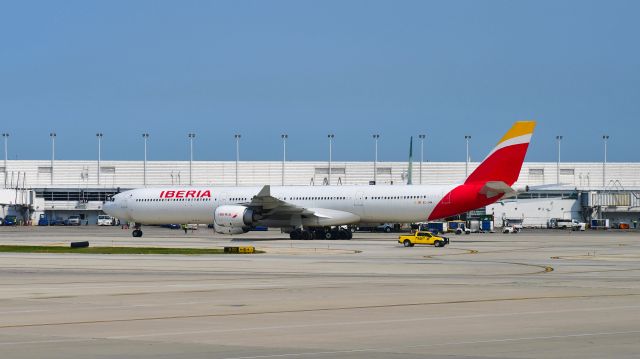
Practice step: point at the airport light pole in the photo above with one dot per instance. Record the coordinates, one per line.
(466, 166)
(191, 136)
(375, 159)
(53, 151)
(422, 137)
(5, 136)
(605, 138)
(145, 137)
(559, 139)
(99, 137)
(330, 136)
(284, 153)
(237, 137)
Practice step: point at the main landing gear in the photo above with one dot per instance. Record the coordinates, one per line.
(137, 230)
(320, 233)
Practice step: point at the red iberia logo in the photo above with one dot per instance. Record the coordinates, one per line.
(185, 194)
(228, 214)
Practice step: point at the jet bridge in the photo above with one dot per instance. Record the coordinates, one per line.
(20, 202)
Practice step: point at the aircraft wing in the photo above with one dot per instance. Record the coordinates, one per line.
(273, 208)
(271, 205)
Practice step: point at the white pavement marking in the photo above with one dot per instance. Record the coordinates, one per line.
(49, 341)
(368, 322)
(25, 311)
(395, 349)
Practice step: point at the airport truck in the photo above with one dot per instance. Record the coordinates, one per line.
(563, 223)
(421, 237)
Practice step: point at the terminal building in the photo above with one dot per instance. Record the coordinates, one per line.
(582, 191)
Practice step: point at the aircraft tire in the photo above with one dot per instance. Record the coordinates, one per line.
(295, 234)
(306, 235)
(349, 234)
(387, 229)
(328, 235)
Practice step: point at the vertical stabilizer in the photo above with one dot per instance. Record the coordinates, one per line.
(505, 161)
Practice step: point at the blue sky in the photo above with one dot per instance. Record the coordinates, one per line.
(308, 68)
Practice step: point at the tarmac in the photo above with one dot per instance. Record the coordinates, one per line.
(535, 294)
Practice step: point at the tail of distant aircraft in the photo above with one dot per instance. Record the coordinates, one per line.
(503, 164)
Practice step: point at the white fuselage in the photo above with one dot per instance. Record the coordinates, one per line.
(369, 204)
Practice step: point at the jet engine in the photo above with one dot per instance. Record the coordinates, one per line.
(233, 219)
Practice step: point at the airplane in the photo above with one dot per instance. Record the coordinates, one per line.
(308, 212)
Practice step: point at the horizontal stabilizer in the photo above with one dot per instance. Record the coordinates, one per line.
(495, 188)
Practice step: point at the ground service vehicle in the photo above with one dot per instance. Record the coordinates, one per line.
(512, 225)
(600, 223)
(372, 227)
(105, 220)
(46, 221)
(458, 227)
(434, 227)
(10, 221)
(563, 223)
(43, 220)
(510, 229)
(385, 227)
(72, 221)
(423, 238)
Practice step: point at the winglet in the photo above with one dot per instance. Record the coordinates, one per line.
(265, 191)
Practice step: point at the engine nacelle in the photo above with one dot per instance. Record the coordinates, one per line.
(229, 230)
(232, 219)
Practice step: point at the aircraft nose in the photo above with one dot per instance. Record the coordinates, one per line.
(110, 207)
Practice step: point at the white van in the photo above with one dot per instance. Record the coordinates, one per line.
(104, 220)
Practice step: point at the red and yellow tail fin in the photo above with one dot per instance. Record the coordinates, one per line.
(505, 161)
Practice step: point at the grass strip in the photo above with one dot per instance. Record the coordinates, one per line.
(110, 250)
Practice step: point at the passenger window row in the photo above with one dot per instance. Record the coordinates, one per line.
(399, 197)
(173, 200)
